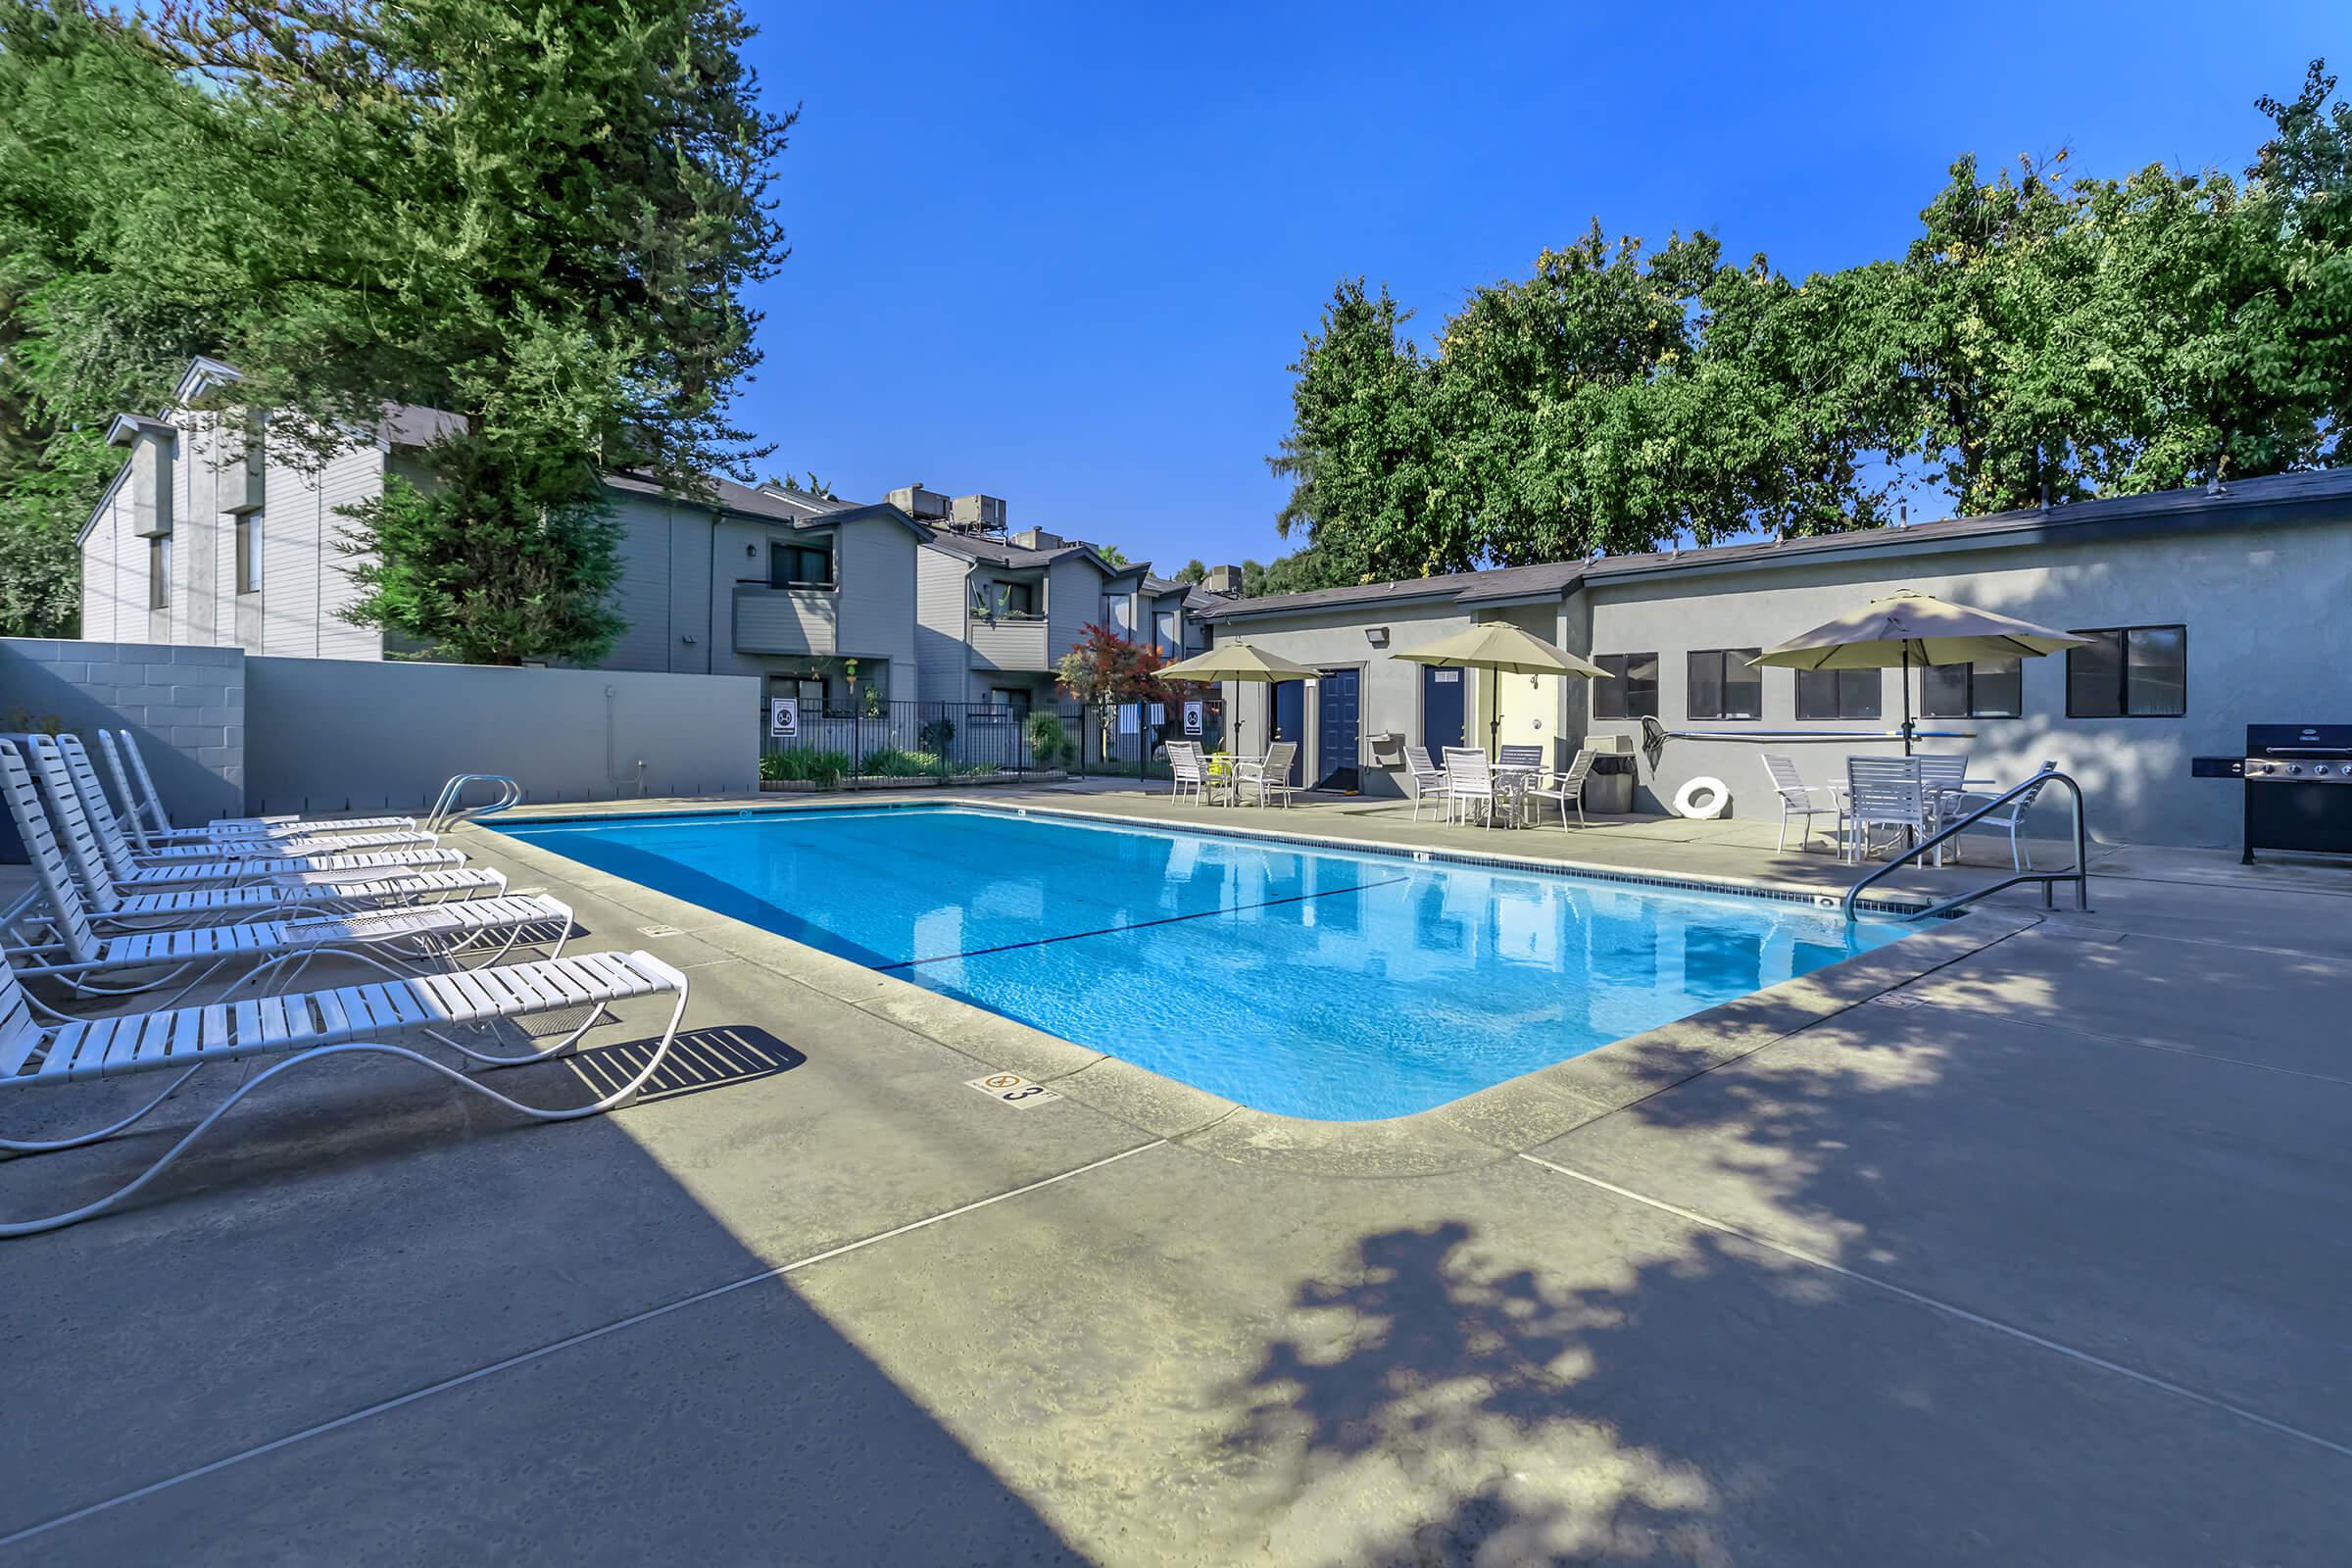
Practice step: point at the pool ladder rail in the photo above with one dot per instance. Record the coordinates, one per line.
(449, 810)
(2078, 874)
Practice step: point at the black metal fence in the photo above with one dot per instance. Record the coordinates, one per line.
(907, 739)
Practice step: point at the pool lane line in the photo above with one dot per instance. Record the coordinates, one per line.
(1918, 1299)
(1141, 926)
(525, 1357)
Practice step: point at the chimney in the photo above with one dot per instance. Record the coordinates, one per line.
(1225, 580)
(923, 506)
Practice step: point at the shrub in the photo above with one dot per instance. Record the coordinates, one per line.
(1047, 738)
(804, 764)
(890, 761)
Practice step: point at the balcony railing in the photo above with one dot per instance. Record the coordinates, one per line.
(785, 620)
(1010, 642)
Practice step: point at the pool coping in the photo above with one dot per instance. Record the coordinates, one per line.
(1489, 1124)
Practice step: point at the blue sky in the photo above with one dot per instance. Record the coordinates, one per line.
(1063, 254)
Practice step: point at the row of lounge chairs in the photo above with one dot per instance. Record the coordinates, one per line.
(130, 913)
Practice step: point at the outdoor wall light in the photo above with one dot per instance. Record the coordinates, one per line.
(1376, 636)
(751, 550)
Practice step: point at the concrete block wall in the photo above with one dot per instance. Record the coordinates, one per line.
(185, 704)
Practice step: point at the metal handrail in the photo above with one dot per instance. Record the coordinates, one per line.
(448, 814)
(2079, 875)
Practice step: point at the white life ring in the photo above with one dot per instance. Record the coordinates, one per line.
(1718, 796)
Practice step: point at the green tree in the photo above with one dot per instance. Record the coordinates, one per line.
(1193, 571)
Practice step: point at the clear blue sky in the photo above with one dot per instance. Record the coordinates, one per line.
(1063, 254)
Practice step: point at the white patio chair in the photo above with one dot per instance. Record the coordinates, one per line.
(1428, 780)
(102, 816)
(1797, 801)
(1269, 775)
(1188, 766)
(1881, 792)
(143, 808)
(89, 846)
(1470, 781)
(314, 1025)
(2010, 817)
(1520, 756)
(1941, 778)
(1566, 789)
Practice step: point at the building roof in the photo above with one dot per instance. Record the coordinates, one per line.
(777, 504)
(2317, 495)
(998, 552)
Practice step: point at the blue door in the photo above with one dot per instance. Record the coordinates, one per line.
(1289, 719)
(1336, 729)
(1440, 710)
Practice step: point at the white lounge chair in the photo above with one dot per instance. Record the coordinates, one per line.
(299, 892)
(1470, 781)
(102, 816)
(93, 851)
(1797, 801)
(312, 1026)
(1188, 766)
(70, 950)
(143, 803)
(1428, 780)
(1566, 789)
(2010, 816)
(1269, 775)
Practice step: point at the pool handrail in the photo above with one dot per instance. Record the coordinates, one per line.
(2078, 874)
(448, 812)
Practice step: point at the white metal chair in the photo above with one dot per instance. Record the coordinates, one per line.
(1428, 780)
(1188, 765)
(1566, 789)
(1797, 801)
(1881, 792)
(312, 1026)
(2010, 817)
(149, 823)
(1470, 781)
(1520, 756)
(1269, 775)
(1940, 780)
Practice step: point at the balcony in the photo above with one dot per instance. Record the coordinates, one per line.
(1012, 642)
(785, 620)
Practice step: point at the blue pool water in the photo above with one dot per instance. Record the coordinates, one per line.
(1305, 980)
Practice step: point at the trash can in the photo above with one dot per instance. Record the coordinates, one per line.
(1609, 787)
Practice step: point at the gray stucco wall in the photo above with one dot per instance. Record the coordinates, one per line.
(327, 734)
(185, 704)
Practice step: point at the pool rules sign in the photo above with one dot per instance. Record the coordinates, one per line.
(783, 718)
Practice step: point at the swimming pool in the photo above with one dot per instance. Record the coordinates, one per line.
(1298, 979)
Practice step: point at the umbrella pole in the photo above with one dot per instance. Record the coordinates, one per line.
(1906, 699)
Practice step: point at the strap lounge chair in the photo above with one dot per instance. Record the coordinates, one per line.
(145, 804)
(1187, 767)
(2011, 817)
(1881, 792)
(1270, 775)
(1566, 789)
(156, 851)
(110, 909)
(1428, 780)
(1797, 801)
(94, 850)
(304, 1027)
(438, 935)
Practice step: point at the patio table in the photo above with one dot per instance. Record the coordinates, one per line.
(1513, 780)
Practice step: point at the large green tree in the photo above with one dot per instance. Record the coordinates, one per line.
(2044, 339)
(541, 219)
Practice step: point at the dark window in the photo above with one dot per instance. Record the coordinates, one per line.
(159, 572)
(2129, 672)
(1631, 690)
(1725, 685)
(1019, 598)
(1014, 699)
(1838, 693)
(800, 567)
(1989, 688)
(249, 552)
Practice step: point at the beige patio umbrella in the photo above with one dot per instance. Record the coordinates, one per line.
(1236, 662)
(1500, 647)
(1908, 627)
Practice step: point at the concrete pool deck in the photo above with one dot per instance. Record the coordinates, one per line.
(2034, 1253)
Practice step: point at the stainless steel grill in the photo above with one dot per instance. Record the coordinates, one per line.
(2295, 778)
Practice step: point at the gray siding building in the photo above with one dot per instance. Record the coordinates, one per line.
(2208, 610)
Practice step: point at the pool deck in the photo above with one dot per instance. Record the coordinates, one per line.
(2026, 1240)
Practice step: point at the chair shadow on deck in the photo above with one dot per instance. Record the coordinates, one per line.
(718, 1057)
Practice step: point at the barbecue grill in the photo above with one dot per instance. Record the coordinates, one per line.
(2299, 787)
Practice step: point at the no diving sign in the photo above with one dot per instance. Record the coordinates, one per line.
(1012, 1088)
(784, 718)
